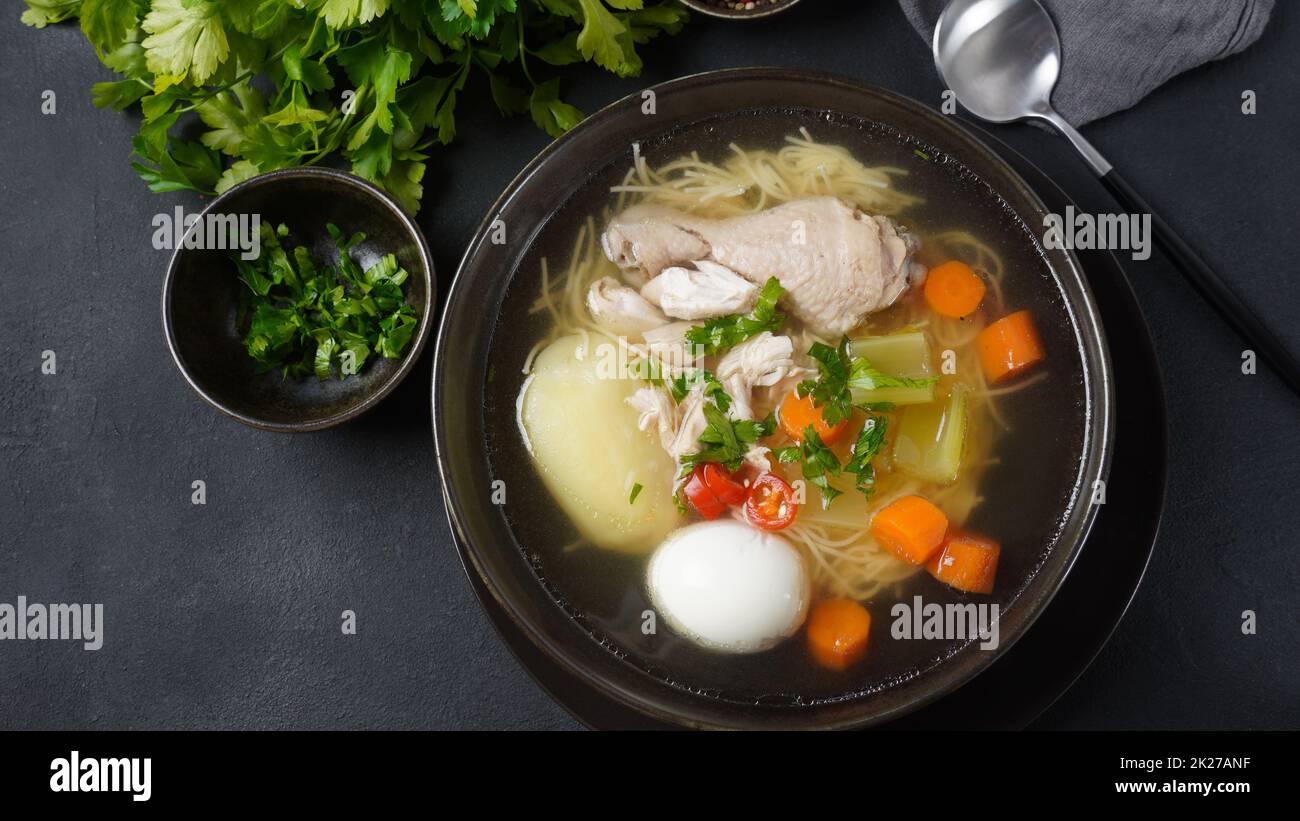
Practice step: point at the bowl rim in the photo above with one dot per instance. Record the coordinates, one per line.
(377, 394)
(1096, 451)
(704, 8)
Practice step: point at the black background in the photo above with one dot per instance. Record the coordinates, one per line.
(337, 770)
(227, 615)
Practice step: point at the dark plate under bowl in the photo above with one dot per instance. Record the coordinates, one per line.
(201, 293)
(1039, 504)
(1026, 680)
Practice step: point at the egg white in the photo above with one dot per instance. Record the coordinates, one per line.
(728, 586)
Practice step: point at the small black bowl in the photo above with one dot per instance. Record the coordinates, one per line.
(761, 8)
(201, 296)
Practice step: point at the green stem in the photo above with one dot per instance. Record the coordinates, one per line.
(523, 50)
(247, 75)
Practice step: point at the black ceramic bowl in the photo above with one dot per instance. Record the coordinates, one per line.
(1040, 505)
(738, 9)
(201, 293)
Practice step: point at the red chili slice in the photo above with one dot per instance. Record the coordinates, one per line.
(728, 489)
(704, 499)
(771, 504)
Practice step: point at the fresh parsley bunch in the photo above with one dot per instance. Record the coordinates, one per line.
(280, 83)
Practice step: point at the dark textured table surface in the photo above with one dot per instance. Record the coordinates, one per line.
(227, 615)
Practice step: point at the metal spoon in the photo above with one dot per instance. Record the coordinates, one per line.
(1002, 58)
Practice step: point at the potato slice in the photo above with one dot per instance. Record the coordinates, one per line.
(584, 439)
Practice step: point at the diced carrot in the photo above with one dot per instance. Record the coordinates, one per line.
(798, 413)
(911, 527)
(953, 289)
(838, 630)
(1009, 346)
(966, 561)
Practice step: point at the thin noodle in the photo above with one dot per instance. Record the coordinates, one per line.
(844, 561)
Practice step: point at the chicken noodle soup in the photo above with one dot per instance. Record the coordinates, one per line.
(810, 367)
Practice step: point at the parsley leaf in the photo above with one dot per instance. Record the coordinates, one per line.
(839, 373)
(106, 22)
(551, 114)
(817, 462)
(118, 95)
(601, 37)
(724, 439)
(187, 39)
(41, 13)
(708, 384)
(340, 13)
(830, 391)
(870, 439)
(724, 332)
(864, 376)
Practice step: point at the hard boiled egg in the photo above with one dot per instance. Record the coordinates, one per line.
(728, 586)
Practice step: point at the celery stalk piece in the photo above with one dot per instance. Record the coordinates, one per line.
(929, 439)
(849, 510)
(894, 396)
(900, 354)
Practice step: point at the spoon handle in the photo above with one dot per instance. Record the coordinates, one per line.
(1209, 285)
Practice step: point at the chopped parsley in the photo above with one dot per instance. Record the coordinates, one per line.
(870, 440)
(636, 491)
(304, 318)
(817, 461)
(724, 440)
(839, 373)
(727, 440)
(708, 384)
(648, 369)
(724, 332)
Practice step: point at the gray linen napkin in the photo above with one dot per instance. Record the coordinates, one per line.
(1115, 52)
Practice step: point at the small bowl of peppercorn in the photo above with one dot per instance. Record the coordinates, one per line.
(739, 9)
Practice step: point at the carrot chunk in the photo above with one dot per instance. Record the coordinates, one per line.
(953, 289)
(838, 630)
(911, 527)
(966, 561)
(798, 413)
(1009, 346)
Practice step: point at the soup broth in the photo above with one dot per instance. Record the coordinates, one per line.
(1025, 437)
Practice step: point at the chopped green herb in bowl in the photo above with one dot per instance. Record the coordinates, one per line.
(301, 328)
(304, 316)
